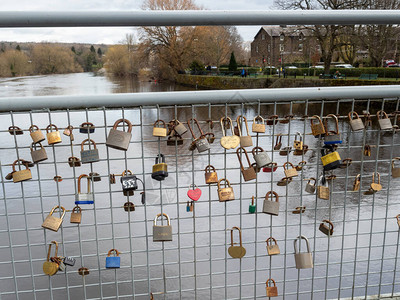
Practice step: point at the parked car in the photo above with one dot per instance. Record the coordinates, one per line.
(344, 66)
(317, 67)
(290, 67)
(389, 62)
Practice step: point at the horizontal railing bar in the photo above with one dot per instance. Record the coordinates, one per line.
(195, 17)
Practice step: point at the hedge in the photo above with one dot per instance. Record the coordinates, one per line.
(354, 72)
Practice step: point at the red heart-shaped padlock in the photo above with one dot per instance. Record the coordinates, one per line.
(194, 194)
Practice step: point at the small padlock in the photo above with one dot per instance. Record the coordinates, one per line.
(346, 163)
(74, 161)
(118, 139)
(272, 291)
(236, 251)
(271, 207)
(249, 172)
(162, 233)
(301, 152)
(91, 155)
(326, 227)
(272, 120)
(300, 165)
(317, 129)
(69, 261)
(84, 198)
(21, 175)
(174, 140)
(285, 151)
(187, 206)
(211, 175)
(36, 134)
(38, 155)
(87, 127)
(357, 183)
(286, 119)
(228, 141)
(9, 176)
(51, 222)
(278, 142)
(201, 142)
(76, 215)
(303, 260)
(323, 190)
(384, 121)
(299, 210)
(129, 206)
(332, 137)
(129, 181)
(376, 186)
(330, 158)
(355, 123)
(290, 172)
(179, 127)
(15, 130)
(272, 249)
(49, 267)
(310, 188)
(245, 140)
(53, 137)
(160, 169)
(226, 193)
(262, 158)
(194, 193)
(285, 181)
(210, 135)
(395, 170)
(159, 131)
(368, 120)
(258, 124)
(272, 167)
(298, 142)
(112, 179)
(68, 130)
(94, 176)
(367, 150)
(252, 206)
(191, 207)
(113, 262)
(83, 271)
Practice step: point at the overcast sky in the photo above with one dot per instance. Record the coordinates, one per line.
(106, 35)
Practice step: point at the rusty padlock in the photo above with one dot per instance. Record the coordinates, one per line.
(21, 175)
(317, 129)
(211, 175)
(272, 249)
(249, 172)
(272, 291)
(326, 227)
(289, 172)
(245, 140)
(53, 137)
(36, 134)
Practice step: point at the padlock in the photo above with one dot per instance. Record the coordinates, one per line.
(245, 140)
(285, 151)
(210, 136)
(162, 233)
(384, 121)
(300, 165)
(272, 291)
(83, 271)
(15, 130)
(330, 158)
(301, 152)
(262, 158)
(187, 206)
(191, 207)
(179, 127)
(87, 127)
(356, 183)
(69, 261)
(256, 169)
(201, 142)
(395, 170)
(290, 172)
(74, 161)
(367, 150)
(249, 172)
(323, 190)
(284, 181)
(376, 186)
(159, 131)
(174, 140)
(9, 176)
(228, 141)
(317, 129)
(94, 176)
(346, 163)
(355, 123)
(129, 181)
(310, 188)
(84, 198)
(90, 155)
(236, 251)
(278, 142)
(129, 206)
(298, 142)
(68, 132)
(51, 222)
(299, 210)
(160, 169)
(272, 120)
(194, 193)
(118, 139)
(112, 179)
(113, 262)
(53, 137)
(49, 267)
(398, 220)
(332, 137)
(38, 155)
(272, 249)
(76, 215)
(36, 134)
(226, 193)
(303, 260)
(211, 175)
(252, 206)
(271, 207)
(286, 119)
(272, 167)
(21, 175)
(258, 124)
(326, 227)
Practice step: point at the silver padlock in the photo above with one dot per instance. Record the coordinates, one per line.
(84, 198)
(310, 188)
(262, 159)
(201, 142)
(179, 127)
(303, 260)
(38, 155)
(90, 155)
(384, 121)
(271, 207)
(395, 170)
(355, 123)
(162, 233)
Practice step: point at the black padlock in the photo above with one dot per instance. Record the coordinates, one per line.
(160, 169)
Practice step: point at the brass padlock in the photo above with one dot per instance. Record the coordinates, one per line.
(38, 155)
(310, 188)
(355, 123)
(159, 131)
(290, 172)
(317, 129)
(226, 193)
(298, 142)
(376, 186)
(356, 183)
(87, 127)
(272, 249)
(368, 120)
(303, 260)
(249, 172)
(53, 137)
(346, 163)
(367, 150)
(74, 161)
(76, 215)
(15, 130)
(302, 151)
(211, 175)
(272, 291)
(300, 165)
(36, 134)
(201, 142)
(258, 124)
(284, 181)
(278, 142)
(21, 175)
(228, 141)
(118, 139)
(68, 132)
(160, 169)
(326, 227)
(323, 189)
(384, 121)
(271, 207)
(162, 233)
(245, 140)
(112, 179)
(210, 136)
(83, 271)
(332, 137)
(90, 155)
(49, 267)
(236, 251)
(51, 222)
(129, 206)
(285, 151)
(395, 170)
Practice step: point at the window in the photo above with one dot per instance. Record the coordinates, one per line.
(256, 49)
(281, 48)
(263, 36)
(282, 37)
(269, 48)
(300, 47)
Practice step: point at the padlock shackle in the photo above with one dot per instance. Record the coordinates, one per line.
(210, 123)
(50, 126)
(351, 114)
(88, 141)
(398, 217)
(240, 160)
(162, 157)
(33, 146)
(378, 176)
(209, 168)
(259, 118)
(334, 117)
(287, 163)
(165, 215)
(271, 239)
(113, 251)
(240, 235)
(126, 172)
(252, 200)
(226, 119)
(86, 124)
(33, 127)
(328, 222)
(156, 123)
(267, 195)
(77, 208)
(255, 149)
(311, 178)
(59, 207)
(393, 160)
(302, 163)
(382, 114)
(226, 182)
(278, 139)
(23, 163)
(267, 283)
(298, 134)
(198, 127)
(239, 124)
(193, 185)
(273, 118)
(56, 251)
(79, 183)
(126, 121)
(300, 237)
(316, 117)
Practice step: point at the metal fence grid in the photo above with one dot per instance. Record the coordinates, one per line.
(359, 259)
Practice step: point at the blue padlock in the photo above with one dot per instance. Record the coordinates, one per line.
(113, 262)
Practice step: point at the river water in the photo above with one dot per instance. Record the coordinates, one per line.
(365, 220)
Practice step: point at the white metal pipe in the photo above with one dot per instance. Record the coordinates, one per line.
(195, 17)
(197, 97)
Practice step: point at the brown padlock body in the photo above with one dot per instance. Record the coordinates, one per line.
(37, 136)
(272, 291)
(22, 175)
(318, 129)
(160, 132)
(273, 250)
(52, 223)
(53, 137)
(246, 141)
(129, 206)
(211, 177)
(76, 217)
(323, 192)
(325, 229)
(74, 162)
(39, 155)
(249, 174)
(226, 194)
(258, 128)
(118, 139)
(292, 172)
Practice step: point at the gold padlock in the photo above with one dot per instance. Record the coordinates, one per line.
(272, 291)
(236, 251)
(53, 137)
(323, 192)
(258, 124)
(21, 175)
(367, 150)
(36, 134)
(76, 215)
(159, 131)
(376, 186)
(49, 267)
(292, 172)
(272, 249)
(228, 141)
(317, 129)
(298, 143)
(278, 142)
(245, 140)
(211, 175)
(51, 222)
(226, 193)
